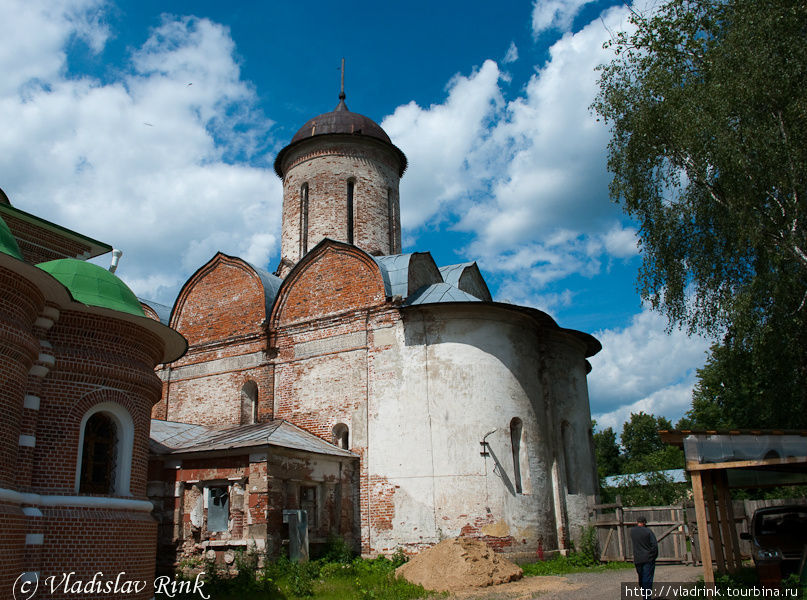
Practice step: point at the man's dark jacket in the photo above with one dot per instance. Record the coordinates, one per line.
(645, 547)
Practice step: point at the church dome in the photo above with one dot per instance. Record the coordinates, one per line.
(8, 245)
(340, 121)
(93, 285)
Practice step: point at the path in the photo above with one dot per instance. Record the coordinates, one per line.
(602, 585)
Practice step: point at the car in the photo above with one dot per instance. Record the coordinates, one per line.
(778, 539)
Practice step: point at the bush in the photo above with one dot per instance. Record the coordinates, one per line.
(337, 550)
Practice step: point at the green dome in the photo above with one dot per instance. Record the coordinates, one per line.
(93, 285)
(8, 245)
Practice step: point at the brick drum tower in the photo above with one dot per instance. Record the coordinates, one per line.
(340, 181)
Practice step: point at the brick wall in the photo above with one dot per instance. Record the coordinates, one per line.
(326, 166)
(38, 244)
(221, 311)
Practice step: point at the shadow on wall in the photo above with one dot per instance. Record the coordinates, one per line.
(501, 472)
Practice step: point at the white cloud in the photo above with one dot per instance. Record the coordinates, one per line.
(34, 36)
(445, 144)
(621, 242)
(512, 54)
(642, 367)
(147, 162)
(555, 14)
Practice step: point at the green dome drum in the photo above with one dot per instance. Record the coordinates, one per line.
(93, 285)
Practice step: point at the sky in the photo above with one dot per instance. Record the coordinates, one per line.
(153, 126)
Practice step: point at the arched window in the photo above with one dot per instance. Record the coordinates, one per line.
(350, 186)
(249, 403)
(304, 219)
(98, 455)
(341, 436)
(104, 463)
(515, 445)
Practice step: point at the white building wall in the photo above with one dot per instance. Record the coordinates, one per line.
(454, 374)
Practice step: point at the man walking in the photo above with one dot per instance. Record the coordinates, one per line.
(645, 552)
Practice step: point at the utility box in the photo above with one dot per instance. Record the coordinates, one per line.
(298, 534)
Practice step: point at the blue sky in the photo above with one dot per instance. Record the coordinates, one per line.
(153, 126)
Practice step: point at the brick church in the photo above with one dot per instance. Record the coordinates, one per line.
(389, 397)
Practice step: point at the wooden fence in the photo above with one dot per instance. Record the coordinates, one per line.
(675, 528)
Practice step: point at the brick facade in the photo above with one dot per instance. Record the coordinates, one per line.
(326, 168)
(62, 362)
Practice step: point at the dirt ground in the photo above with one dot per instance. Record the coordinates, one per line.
(603, 585)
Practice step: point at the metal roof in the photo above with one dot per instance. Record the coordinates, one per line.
(340, 121)
(163, 311)
(169, 437)
(439, 292)
(404, 274)
(468, 278)
(271, 285)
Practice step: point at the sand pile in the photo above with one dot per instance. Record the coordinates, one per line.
(457, 564)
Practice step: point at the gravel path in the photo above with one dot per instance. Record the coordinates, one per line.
(606, 585)
(603, 585)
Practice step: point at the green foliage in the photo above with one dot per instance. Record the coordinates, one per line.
(644, 450)
(589, 545)
(659, 490)
(337, 550)
(754, 364)
(574, 563)
(709, 154)
(644, 453)
(709, 120)
(606, 452)
(340, 578)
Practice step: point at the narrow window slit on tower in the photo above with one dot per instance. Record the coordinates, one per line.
(391, 221)
(515, 445)
(350, 186)
(304, 219)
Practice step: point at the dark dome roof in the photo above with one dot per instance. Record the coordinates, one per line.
(339, 121)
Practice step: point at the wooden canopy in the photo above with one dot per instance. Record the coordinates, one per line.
(711, 458)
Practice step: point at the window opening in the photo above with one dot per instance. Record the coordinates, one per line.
(98, 455)
(304, 218)
(391, 219)
(350, 186)
(249, 403)
(515, 445)
(341, 436)
(218, 509)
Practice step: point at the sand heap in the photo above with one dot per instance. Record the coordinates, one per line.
(457, 564)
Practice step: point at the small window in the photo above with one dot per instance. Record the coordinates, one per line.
(350, 186)
(249, 403)
(304, 219)
(98, 455)
(341, 436)
(515, 445)
(218, 509)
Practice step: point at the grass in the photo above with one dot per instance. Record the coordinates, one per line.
(338, 577)
(574, 563)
